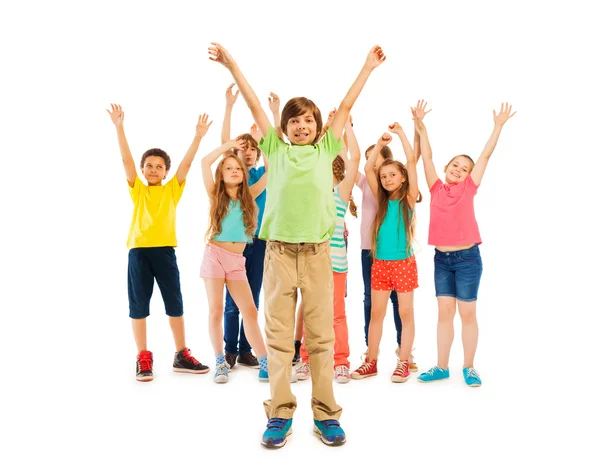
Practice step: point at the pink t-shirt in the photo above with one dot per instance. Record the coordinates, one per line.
(367, 212)
(452, 214)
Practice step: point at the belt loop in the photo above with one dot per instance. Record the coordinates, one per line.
(281, 247)
(314, 249)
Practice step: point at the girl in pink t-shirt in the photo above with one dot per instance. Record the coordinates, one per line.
(454, 232)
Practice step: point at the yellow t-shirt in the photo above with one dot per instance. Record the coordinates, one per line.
(153, 221)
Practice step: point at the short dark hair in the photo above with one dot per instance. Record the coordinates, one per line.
(156, 152)
(298, 106)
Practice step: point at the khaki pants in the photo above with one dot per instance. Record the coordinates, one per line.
(289, 267)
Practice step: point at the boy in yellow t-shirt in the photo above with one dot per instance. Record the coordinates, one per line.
(151, 244)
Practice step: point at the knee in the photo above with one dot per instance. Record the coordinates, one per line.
(446, 315)
(407, 315)
(250, 315)
(468, 317)
(215, 315)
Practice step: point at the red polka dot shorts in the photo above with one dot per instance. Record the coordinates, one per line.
(397, 275)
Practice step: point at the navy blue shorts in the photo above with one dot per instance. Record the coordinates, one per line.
(145, 264)
(457, 274)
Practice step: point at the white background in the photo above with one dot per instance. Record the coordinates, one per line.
(67, 354)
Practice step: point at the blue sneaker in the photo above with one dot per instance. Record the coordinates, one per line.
(433, 374)
(278, 430)
(471, 376)
(330, 431)
(222, 373)
(263, 375)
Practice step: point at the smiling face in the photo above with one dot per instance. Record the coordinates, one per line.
(391, 177)
(232, 172)
(301, 121)
(154, 170)
(458, 169)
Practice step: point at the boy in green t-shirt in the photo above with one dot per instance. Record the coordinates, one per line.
(297, 254)
(151, 244)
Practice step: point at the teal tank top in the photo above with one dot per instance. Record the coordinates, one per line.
(232, 226)
(391, 238)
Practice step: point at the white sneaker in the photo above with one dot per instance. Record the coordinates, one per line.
(222, 373)
(341, 374)
(303, 371)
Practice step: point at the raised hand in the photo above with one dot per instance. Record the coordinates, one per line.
(385, 139)
(419, 111)
(116, 114)
(238, 144)
(274, 103)
(230, 98)
(504, 114)
(419, 126)
(330, 117)
(375, 58)
(395, 128)
(218, 53)
(203, 125)
(255, 132)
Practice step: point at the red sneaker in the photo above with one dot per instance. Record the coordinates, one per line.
(402, 372)
(368, 369)
(143, 371)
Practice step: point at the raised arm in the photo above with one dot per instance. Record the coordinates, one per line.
(346, 185)
(230, 99)
(260, 185)
(327, 124)
(201, 129)
(210, 158)
(411, 163)
(370, 173)
(375, 58)
(217, 53)
(430, 174)
(420, 112)
(499, 121)
(274, 103)
(117, 116)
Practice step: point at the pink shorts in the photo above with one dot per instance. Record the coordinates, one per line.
(220, 263)
(395, 275)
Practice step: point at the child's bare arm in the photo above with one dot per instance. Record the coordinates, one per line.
(375, 58)
(499, 121)
(411, 163)
(420, 112)
(274, 103)
(370, 173)
(260, 185)
(184, 167)
(346, 185)
(210, 158)
(230, 99)
(217, 53)
(430, 174)
(117, 116)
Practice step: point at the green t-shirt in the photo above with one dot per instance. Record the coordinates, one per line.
(300, 205)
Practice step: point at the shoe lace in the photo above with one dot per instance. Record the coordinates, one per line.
(188, 357)
(472, 373)
(222, 369)
(433, 370)
(305, 367)
(401, 367)
(365, 366)
(276, 423)
(145, 364)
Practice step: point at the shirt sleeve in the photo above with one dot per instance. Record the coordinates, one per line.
(176, 188)
(329, 144)
(134, 192)
(436, 186)
(470, 184)
(362, 179)
(271, 142)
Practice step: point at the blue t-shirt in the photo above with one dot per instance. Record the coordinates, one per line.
(391, 238)
(254, 174)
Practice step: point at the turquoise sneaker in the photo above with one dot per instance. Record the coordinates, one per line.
(330, 431)
(433, 374)
(263, 375)
(278, 430)
(471, 376)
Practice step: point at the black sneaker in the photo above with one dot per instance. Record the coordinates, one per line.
(185, 362)
(230, 358)
(249, 360)
(143, 368)
(297, 345)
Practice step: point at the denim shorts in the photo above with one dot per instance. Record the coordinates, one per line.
(457, 274)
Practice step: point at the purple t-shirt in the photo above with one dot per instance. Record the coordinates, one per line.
(367, 212)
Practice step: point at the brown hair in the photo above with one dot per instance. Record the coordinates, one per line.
(250, 143)
(339, 171)
(298, 106)
(156, 152)
(383, 196)
(220, 199)
(386, 152)
(460, 156)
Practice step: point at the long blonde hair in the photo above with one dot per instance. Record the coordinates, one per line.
(220, 199)
(339, 171)
(383, 196)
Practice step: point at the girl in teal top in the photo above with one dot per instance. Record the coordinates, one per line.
(395, 188)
